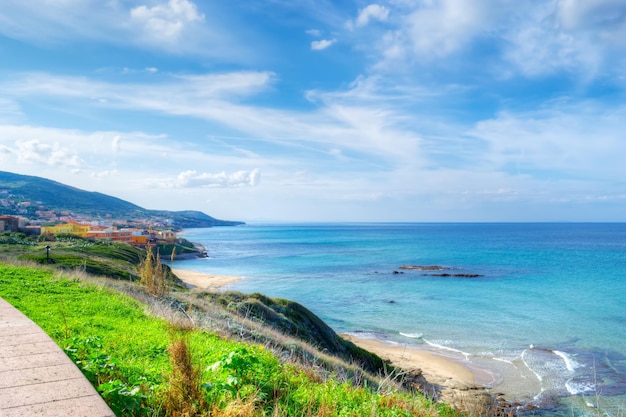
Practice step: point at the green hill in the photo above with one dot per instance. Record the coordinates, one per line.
(54, 196)
(203, 361)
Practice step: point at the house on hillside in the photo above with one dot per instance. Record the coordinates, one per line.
(32, 230)
(112, 234)
(166, 235)
(71, 228)
(9, 224)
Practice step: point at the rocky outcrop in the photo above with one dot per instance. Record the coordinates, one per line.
(454, 275)
(436, 268)
(425, 267)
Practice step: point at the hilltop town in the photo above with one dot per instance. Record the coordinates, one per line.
(35, 219)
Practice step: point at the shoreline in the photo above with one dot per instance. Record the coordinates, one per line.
(195, 280)
(445, 378)
(442, 377)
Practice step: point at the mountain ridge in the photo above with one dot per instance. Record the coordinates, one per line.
(55, 196)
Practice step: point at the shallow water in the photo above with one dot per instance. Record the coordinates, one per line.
(545, 318)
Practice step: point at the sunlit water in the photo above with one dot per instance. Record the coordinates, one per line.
(545, 321)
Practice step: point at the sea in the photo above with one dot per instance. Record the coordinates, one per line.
(537, 310)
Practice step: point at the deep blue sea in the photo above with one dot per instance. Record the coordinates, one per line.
(545, 322)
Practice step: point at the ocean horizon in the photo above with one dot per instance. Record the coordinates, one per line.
(538, 307)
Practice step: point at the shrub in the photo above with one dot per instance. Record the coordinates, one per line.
(184, 396)
(153, 275)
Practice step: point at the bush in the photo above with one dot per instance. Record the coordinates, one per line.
(153, 276)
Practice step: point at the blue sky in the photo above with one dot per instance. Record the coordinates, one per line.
(315, 110)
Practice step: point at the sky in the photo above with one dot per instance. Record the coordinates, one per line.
(320, 110)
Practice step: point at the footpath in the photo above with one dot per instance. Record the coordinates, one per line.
(37, 378)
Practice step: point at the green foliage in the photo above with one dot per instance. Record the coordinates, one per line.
(16, 238)
(294, 319)
(181, 246)
(122, 390)
(112, 250)
(125, 354)
(123, 399)
(111, 259)
(70, 260)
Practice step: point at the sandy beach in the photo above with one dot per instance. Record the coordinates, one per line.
(447, 379)
(203, 281)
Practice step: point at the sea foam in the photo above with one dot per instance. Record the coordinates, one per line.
(412, 335)
(570, 363)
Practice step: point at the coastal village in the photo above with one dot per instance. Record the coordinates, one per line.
(94, 230)
(34, 219)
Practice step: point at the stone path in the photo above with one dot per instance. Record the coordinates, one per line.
(37, 378)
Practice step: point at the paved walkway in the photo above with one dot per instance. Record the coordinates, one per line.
(37, 378)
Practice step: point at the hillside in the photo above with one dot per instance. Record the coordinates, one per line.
(54, 196)
(203, 361)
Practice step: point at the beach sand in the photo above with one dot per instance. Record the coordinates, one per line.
(203, 281)
(446, 379)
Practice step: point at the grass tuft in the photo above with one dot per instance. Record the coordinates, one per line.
(153, 276)
(184, 397)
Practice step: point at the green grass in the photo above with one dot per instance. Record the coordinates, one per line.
(124, 352)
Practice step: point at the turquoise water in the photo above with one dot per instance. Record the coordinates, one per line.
(545, 322)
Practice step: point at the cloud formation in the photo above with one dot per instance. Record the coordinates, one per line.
(441, 106)
(115, 143)
(172, 26)
(322, 44)
(372, 12)
(165, 22)
(36, 152)
(193, 179)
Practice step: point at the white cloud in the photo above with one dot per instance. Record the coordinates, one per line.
(183, 89)
(609, 16)
(35, 152)
(372, 12)
(561, 140)
(192, 179)
(165, 22)
(538, 45)
(442, 27)
(104, 174)
(174, 26)
(132, 173)
(314, 32)
(322, 44)
(115, 143)
(584, 39)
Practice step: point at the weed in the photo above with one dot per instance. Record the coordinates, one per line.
(153, 275)
(184, 396)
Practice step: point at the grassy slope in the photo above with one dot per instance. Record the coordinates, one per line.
(110, 259)
(124, 352)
